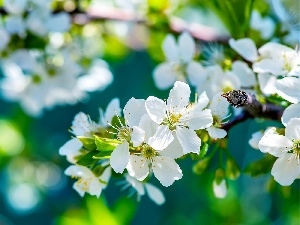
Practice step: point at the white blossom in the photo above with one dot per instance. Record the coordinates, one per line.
(176, 117)
(180, 64)
(220, 190)
(265, 25)
(87, 181)
(287, 148)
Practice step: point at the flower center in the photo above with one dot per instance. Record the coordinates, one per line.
(287, 62)
(217, 121)
(296, 148)
(36, 79)
(172, 120)
(124, 134)
(180, 70)
(148, 152)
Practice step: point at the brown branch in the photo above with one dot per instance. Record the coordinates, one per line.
(252, 107)
(177, 25)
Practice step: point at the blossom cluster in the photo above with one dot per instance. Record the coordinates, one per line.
(152, 135)
(42, 70)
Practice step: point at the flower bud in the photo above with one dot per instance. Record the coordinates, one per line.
(201, 166)
(232, 169)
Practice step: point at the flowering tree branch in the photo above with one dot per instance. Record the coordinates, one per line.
(252, 108)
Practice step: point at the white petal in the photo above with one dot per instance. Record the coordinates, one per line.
(78, 188)
(199, 119)
(149, 126)
(156, 109)
(216, 132)
(179, 97)
(95, 187)
(170, 49)
(290, 112)
(267, 83)
(162, 138)
(113, 109)
(202, 101)
(133, 111)
(245, 47)
(71, 146)
(196, 73)
(286, 169)
(273, 66)
(275, 144)
(79, 171)
(137, 185)
(174, 150)
(292, 130)
(81, 124)
(289, 89)
(137, 136)
(188, 139)
(220, 190)
(166, 170)
(138, 167)
(253, 142)
(244, 73)
(119, 157)
(274, 50)
(164, 76)
(155, 194)
(219, 106)
(186, 46)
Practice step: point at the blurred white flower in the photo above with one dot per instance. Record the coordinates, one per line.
(15, 25)
(87, 181)
(4, 37)
(15, 7)
(220, 190)
(287, 148)
(180, 64)
(265, 25)
(141, 188)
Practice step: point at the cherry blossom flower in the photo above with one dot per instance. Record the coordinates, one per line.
(87, 180)
(180, 65)
(287, 148)
(176, 117)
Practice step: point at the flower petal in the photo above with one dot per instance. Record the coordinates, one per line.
(253, 142)
(156, 109)
(166, 170)
(286, 169)
(164, 76)
(133, 111)
(155, 194)
(186, 46)
(219, 106)
(292, 130)
(149, 126)
(138, 167)
(288, 88)
(188, 139)
(162, 138)
(267, 83)
(275, 144)
(137, 185)
(95, 187)
(216, 132)
(245, 47)
(137, 136)
(174, 150)
(119, 157)
(196, 73)
(198, 119)
(113, 109)
(71, 147)
(220, 190)
(290, 112)
(179, 97)
(244, 73)
(170, 49)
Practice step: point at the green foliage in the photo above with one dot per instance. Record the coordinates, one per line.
(88, 142)
(261, 166)
(235, 14)
(106, 144)
(88, 159)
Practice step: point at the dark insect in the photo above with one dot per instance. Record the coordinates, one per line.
(236, 98)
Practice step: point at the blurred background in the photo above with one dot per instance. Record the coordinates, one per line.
(34, 189)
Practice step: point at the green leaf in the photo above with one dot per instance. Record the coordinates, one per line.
(102, 155)
(261, 166)
(88, 142)
(106, 144)
(88, 159)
